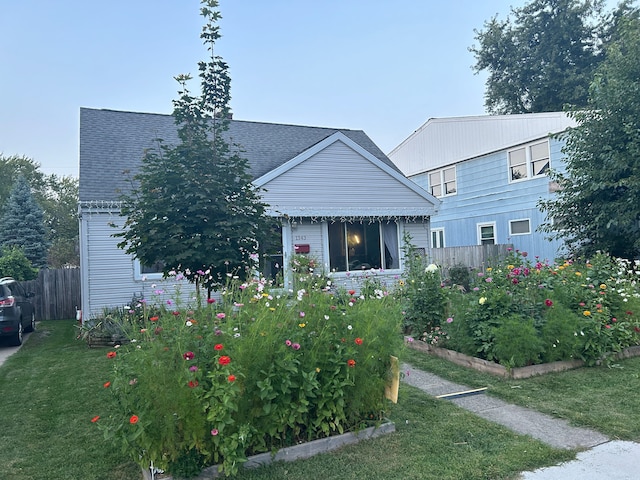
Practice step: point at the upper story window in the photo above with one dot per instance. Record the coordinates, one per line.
(529, 161)
(443, 182)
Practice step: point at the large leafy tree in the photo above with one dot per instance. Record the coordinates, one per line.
(598, 205)
(22, 224)
(193, 206)
(542, 58)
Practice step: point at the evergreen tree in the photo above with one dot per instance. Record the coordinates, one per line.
(193, 206)
(22, 224)
(598, 205)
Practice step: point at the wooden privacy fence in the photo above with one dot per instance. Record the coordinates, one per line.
(472, 256)
(57, 293)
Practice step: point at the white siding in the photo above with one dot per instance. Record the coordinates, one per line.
(444, 141)
(309, 234)
(108, 273)
(338, 180)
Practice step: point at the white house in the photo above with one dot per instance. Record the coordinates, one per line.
(489, 172)
(339, 197)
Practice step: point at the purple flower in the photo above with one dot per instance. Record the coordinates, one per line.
(450, 319)
(193, 368)
(296, 346)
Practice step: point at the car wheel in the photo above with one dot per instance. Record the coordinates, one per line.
(32, 326)
(16, 339)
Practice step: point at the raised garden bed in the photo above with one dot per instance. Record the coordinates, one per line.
(500, 370)
(296, 452)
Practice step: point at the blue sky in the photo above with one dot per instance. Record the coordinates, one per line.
(384, 67)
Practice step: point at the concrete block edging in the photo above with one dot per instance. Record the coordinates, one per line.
(293, 453)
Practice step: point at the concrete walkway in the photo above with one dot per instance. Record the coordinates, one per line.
(613, 460)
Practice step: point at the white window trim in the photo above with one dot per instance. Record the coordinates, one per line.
(444, 239)
(139, 276)
(528, 162)
(440, 171)
(511, 234)
(486, 224)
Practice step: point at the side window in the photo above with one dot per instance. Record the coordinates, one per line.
(520, 227)
(487, 233)
(437, 238)
(530, 161)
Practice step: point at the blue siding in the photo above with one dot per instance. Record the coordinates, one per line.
(484, 195)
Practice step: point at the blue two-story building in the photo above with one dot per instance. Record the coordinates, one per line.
(489, 172)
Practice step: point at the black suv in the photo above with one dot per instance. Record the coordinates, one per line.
(17, 314)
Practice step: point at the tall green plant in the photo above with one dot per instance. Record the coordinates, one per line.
(193, 206)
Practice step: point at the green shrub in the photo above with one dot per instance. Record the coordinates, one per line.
(460, 275)
(516, 342)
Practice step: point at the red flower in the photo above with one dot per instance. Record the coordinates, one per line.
(637, 329)
(629, 312)
(95, 419)
(351, 362)
(193, 383)
(111, 355)
(211, 300)
(107, 384)
(176, 313)
(154, 319)
(133, 420)
(231, 378)
(358, 341)
(224, 360)
(352, 292)
(218, 346)
(188, 355)
(548, 302)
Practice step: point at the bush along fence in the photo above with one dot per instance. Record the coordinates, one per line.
(257, 371)
(57, 293)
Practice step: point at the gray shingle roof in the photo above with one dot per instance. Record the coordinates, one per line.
(113, 142)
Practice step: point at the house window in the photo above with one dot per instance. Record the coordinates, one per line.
(362, 246)
(148, 272)
(530, 161)
(520, 227)
(437, 238)
(487, 233)
(443, 182)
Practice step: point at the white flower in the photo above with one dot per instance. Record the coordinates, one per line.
(432, 267)
(349, 327)
(188, 324)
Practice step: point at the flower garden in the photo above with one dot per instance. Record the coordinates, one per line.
(263, 368)
(256, 371)
(525, 311)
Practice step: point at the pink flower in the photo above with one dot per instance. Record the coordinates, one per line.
(295, 346)
(220, 315)
(287, 343)
(193, 368)
(450, 319)
(211, 300)
(302, 314)
(214, 432)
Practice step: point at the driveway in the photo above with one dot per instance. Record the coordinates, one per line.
(6, 351)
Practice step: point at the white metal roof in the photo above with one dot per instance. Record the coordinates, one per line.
(445, 141)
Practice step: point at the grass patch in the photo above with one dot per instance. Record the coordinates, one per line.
(50, 395)
(602, 398)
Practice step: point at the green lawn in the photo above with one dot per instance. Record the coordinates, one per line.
(52, 388)
(602, 398)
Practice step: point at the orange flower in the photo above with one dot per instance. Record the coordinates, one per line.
(107, 384)
(358, 341)
(134, 419)
(95, 419)
(351, 362)
(111, 355)
(154, 319)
